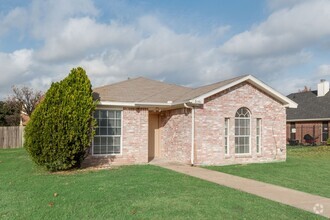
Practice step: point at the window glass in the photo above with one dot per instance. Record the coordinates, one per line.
(242, 131)
(108, 132)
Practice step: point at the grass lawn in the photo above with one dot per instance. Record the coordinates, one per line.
(138, 192)
(306, 169)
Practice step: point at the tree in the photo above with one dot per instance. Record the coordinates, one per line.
(61, 128)
(306, 89)
(9, 113)
(27, 98)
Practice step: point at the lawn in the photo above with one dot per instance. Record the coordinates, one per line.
(306, 169)
(128, 192)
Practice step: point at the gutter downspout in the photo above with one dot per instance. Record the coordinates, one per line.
(192, 133)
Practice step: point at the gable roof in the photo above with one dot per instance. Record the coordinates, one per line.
(141, 90)
(310, 107)
(146, 92)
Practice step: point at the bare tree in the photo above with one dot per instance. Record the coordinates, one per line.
(306, 89)
(28, 98)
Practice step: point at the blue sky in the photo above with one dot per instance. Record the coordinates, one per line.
(285, 43)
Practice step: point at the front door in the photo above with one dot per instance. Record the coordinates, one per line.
(153, 144)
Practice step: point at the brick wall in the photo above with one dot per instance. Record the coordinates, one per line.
(175, 131)
(313, 128)
(175, 141)
(134, 141)
(209, 122)
(209, 129)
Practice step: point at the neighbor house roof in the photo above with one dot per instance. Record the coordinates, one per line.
(310, 107)
(146, 92)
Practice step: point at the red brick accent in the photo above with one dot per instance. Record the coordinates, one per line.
(313, 128)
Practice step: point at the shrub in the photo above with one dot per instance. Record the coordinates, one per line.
(328, 141)
(61, 127)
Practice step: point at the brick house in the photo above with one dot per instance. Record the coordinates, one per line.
(240, 120)
(311, 117)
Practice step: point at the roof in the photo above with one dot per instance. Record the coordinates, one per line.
(142, 91)
(310, 107)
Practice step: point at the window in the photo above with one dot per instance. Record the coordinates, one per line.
(107, 139)
(242, 131)
(293, 131)
(226, 136)
(258, 135)
(325, 131)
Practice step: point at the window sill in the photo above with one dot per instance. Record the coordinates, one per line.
(243, 155)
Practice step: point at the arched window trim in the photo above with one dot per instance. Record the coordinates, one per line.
(243, 131)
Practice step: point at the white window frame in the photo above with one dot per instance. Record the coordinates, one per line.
(226, 136)
(258, 135)
(249, 135)
(121, 132)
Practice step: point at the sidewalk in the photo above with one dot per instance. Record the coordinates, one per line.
(312, 203)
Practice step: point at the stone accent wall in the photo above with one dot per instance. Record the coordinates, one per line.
(209, 127)
(175, 141)
(134, 141)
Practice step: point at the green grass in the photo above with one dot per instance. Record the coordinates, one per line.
(129, 192)
(306, 169)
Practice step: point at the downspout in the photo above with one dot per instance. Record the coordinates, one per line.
(192, 133)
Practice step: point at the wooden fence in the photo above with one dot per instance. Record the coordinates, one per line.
(11, 137)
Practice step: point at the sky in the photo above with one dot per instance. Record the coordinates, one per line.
(284, 43)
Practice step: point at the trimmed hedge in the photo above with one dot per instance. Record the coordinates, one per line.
(61, 127)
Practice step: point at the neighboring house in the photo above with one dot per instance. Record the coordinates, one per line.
(240, 120)
(312, 116)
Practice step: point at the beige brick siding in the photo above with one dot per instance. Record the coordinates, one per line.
(209, 122)
(134, 141)
(175, 131)
(209, 129)
(175, 143)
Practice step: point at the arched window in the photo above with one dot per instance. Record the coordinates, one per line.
(242, 131)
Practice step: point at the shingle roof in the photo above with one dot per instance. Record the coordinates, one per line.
(309, 106)
(140, 90)
(151, 91)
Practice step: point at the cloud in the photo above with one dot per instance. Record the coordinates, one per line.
(288, 30)
(80, 36)
(15, 19)
(14, 67)
(70, 33)
(324, 70)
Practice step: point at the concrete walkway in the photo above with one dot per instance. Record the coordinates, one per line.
(312, 203)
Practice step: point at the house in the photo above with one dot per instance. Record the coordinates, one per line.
(311, 117)
(239, 120)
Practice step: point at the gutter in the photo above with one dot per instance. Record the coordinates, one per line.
(192, 133)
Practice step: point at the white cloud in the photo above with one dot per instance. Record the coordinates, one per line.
(15, 19)
(324, 70)
(70, 34)
(288, 30)
(81, 36)
(47, 17)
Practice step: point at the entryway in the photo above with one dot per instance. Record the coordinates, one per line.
(154, 136)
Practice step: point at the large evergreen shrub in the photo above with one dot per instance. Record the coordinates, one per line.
(61, 127)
